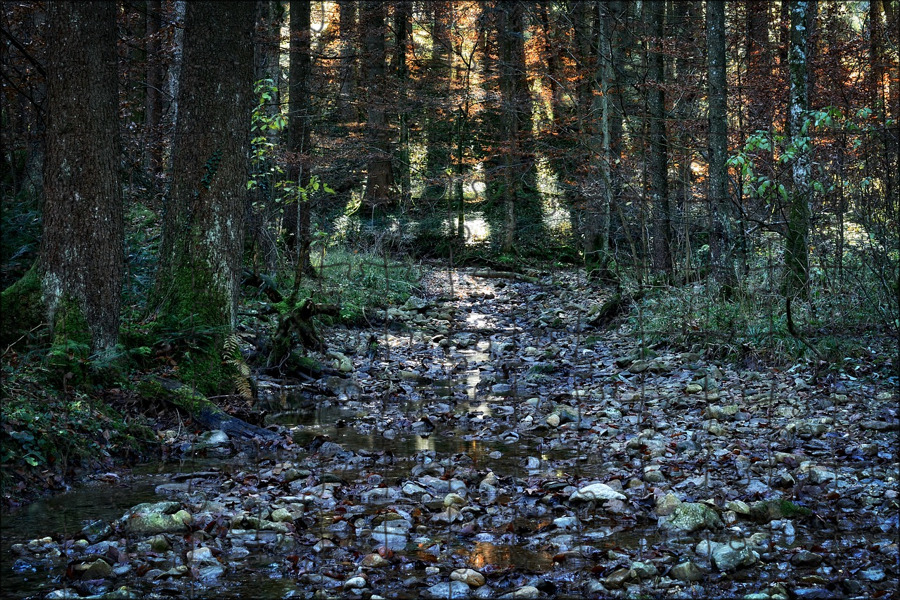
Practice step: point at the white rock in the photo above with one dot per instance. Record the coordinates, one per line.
(594, 492)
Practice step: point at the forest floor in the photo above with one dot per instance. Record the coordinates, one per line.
(495, 444)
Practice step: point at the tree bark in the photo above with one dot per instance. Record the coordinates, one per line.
(379, 179)
(654, 16)
(796, 244)
(299, 134)
(348, 69)
(153, 107)
(82, 258)
(198, 280)
(759, 66)
(720, 207)
(403, 36)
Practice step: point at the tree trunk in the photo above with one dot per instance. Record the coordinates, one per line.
(82, 259)
(299, 132)
(654, 16)
(437, 121)
(515, 113)
(759, 66)
(197, 283)
(796, 244)
(402, 32)
(379, 179)
(720, 236)
(348, 70)
(153, 98)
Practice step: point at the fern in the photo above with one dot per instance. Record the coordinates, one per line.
(233, 358)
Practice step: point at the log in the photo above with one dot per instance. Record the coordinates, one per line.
(203, 410)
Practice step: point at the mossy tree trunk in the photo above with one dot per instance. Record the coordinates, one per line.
(82, 255)
(197, 284)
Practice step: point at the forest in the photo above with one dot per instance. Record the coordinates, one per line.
(450, 299)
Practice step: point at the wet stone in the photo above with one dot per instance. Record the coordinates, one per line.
(96, 531)
(693, 516)
(686, 571)
(617, 578)
(805, 558)
(470, 577)
(733, 555)
(527, 592)
(447, 590)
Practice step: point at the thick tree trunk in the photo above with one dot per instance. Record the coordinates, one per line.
(438, 127)
(197, 283)
(380, 178)
(515, 114)
(82, 258)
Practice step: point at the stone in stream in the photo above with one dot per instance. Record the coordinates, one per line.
(594, 492)
(202, 555)
(152, 518)
(733, 555)
(617, 578)
(447, 590)
(686, 571)
(470, 577)
(96, 531)
(692, 516)
(526, 592)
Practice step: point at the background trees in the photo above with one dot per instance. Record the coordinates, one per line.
(602, 132)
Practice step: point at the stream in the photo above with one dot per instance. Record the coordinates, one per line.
(495, 446)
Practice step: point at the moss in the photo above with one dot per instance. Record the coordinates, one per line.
(70, 324)
(789, 509)
(21, 307)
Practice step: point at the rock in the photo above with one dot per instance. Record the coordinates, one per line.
(96, 531)
(447, 590)
(210, 573)
(341, 362)
(99, 569)
(281, 515)
(617, 578)
(414, 303)
(355, 583)
(411, 489)
(733, 555)
(738, 506)
(215, 439)
(566, 522)
(594, 492)
(391, 539)
(722, 413)
(452, 499)
(153, 518)
(764, 511)
(202, 555)
(874, 574)
(686, 571)
(692, 516)
(470, 577)
(379, 495)
(159, 543)
(374, 560)
(644, 570)
(639, 366)
(553, 420)
(527, 592)
(666, 505)
(805, 558)
(819, 475)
